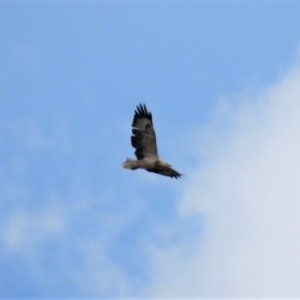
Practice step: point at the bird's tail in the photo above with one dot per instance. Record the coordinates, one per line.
(130, 164)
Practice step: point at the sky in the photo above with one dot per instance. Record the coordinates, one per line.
(222, 80)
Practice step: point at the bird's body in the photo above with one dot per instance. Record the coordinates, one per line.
(144, 141)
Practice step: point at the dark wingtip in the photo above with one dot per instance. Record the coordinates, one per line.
(142, 112)
(142, 109)
(177, 176)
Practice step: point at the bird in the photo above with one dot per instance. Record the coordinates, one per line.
(143, 139)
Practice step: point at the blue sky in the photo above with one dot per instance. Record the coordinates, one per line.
(222, 82)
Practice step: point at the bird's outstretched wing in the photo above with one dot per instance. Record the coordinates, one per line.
(143, 138)
(166, 171)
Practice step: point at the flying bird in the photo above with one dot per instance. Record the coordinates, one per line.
(144, 142)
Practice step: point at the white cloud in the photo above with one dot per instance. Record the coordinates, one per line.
(72, 237)
(33, 136)
(23, 228)
(59, 231)
(247, 194)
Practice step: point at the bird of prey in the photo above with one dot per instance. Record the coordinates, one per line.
(144, 141)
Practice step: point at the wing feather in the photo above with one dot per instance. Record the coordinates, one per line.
(143, 138)
(166, 171)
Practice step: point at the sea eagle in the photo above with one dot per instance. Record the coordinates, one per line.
(144, 141)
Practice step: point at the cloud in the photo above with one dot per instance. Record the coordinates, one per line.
(246, 193)
(33, 136)
(24, 227)
(235, 231)
(60, 234)
(65, 245)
